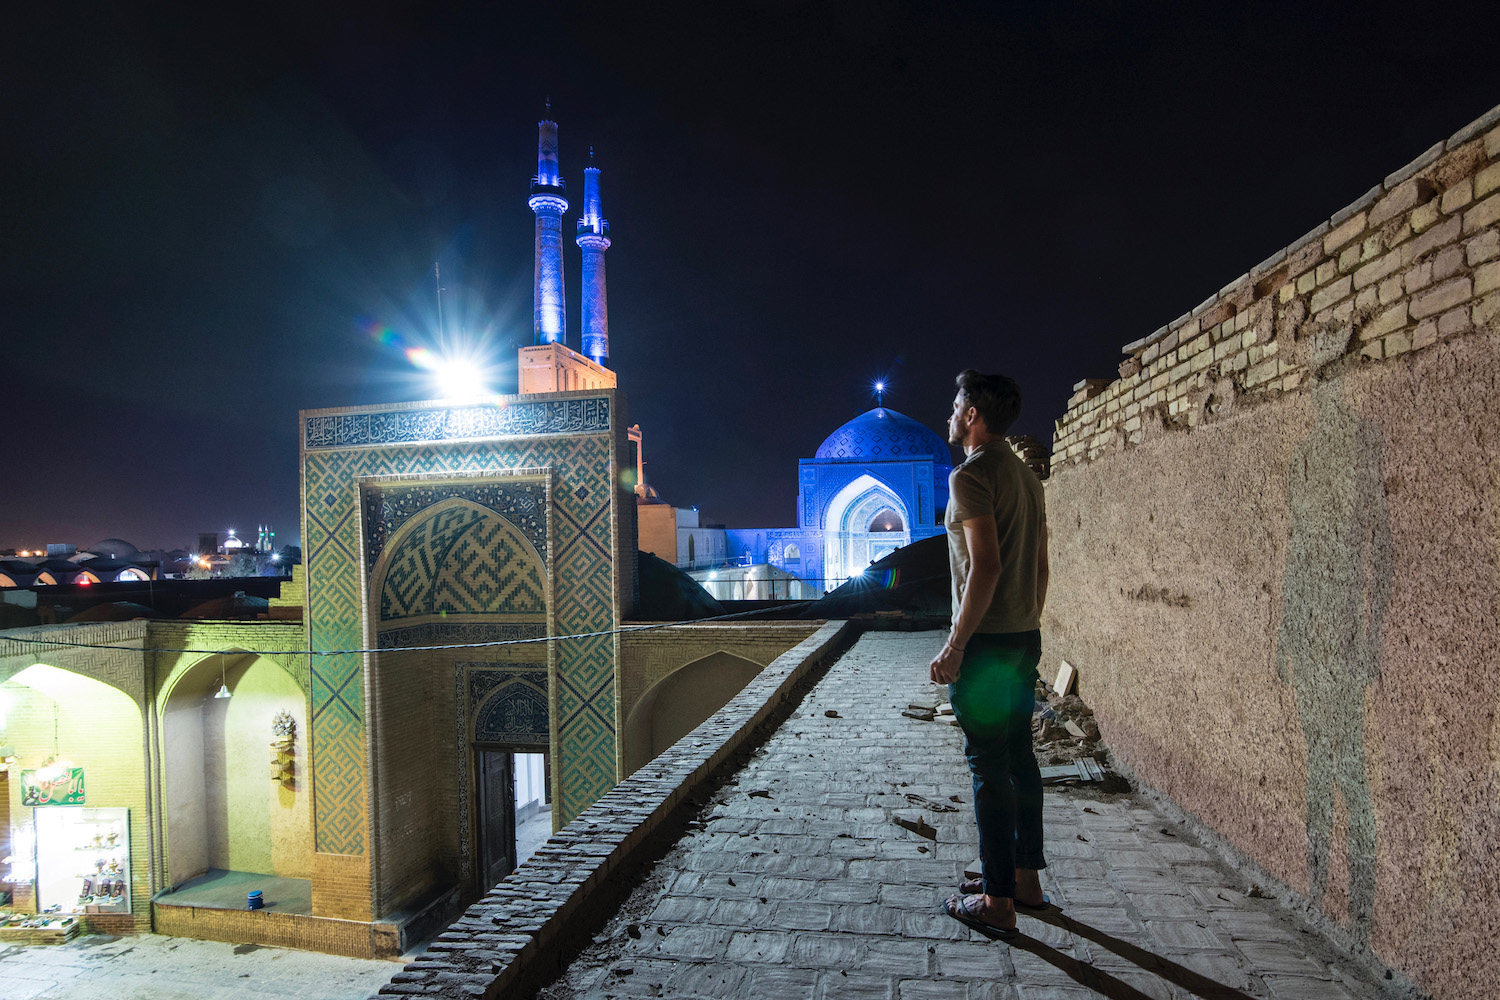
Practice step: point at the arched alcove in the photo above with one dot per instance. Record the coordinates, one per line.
(225, 809)
(680, 702)
(51, 714)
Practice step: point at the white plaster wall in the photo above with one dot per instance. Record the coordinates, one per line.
(182, 765)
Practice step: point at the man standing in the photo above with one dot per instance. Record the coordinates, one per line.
(997, 551)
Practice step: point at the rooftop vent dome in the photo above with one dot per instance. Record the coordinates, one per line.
(883, 435)
(114, 548)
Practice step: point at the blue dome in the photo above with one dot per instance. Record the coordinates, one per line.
(883, 435)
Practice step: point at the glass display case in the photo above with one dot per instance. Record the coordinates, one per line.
(82, 860)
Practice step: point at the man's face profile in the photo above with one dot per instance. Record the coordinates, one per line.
(958, 421)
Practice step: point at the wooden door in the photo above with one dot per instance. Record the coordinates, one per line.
(497, 816)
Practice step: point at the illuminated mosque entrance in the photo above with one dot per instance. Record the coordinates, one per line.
(877, 483)
(865, 521)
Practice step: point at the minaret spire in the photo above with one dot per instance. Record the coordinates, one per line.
(548, 202)
(593, 240)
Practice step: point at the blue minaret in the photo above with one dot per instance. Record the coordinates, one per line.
(548, 203)
(593, 240)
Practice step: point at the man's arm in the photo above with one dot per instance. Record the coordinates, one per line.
(1043, 571)
(979, 590)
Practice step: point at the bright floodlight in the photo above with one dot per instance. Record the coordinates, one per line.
(459, 379)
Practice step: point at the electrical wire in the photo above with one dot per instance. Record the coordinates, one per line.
(404, 649)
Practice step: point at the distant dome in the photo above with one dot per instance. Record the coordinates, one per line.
(114, 611)
(114, 548)
(883, 435)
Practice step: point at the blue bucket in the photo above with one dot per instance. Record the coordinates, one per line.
(254, 900)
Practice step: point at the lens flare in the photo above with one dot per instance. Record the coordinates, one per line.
(455, 376)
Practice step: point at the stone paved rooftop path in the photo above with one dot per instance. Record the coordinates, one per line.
(797, 883)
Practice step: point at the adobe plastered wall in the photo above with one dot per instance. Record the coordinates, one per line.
(1276, 559)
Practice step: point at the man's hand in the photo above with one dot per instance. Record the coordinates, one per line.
(945, 666)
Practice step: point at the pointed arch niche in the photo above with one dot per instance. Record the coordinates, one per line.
(452, 563)
(680, 702)
(225, 810)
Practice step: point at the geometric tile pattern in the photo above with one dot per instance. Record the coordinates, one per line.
(573, 439)
(460, 560)
(387, 508)
(442, 633)
(882, 435)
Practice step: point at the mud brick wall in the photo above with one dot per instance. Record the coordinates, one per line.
(1276, 559)
(1412, 263)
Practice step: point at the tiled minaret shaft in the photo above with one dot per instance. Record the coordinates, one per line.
(549, 204)
(593, 240)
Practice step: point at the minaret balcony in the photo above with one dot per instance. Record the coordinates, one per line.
(601, 229)
(547, 198)
(557, 187)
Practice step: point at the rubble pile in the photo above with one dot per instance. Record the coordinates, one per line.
(1063, 728)
(1064, 735)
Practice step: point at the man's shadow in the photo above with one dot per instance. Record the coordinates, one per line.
(1102, 982)
(1335, 593)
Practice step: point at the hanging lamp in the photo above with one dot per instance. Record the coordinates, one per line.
(223, 681)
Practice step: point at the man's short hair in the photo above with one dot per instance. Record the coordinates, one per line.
(996, 397)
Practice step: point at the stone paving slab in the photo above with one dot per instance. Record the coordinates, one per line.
(153, 967)
(796, 882)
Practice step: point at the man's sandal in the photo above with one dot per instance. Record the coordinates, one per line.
(964, 910)
(974, 885)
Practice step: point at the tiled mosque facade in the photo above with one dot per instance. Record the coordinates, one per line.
(450, 527)
(877, 483)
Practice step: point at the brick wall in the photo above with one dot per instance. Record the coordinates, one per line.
(1274, 562)
(353, 938)
(341, 886)
(1412, 263)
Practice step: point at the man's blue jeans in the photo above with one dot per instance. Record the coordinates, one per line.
(993, 699)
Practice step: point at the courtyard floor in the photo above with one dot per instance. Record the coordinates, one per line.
(151, 967)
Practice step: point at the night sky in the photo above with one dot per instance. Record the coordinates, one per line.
(206, 217)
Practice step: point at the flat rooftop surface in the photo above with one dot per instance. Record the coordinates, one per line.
(797, 882)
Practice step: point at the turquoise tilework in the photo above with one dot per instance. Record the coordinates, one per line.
(340, 451)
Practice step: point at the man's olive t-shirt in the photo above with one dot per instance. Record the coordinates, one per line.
(994, 482)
